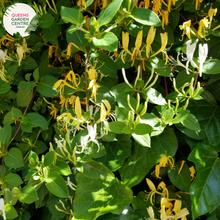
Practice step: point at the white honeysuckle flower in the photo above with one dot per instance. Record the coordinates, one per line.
(91, 136)
(203, 53)
(60, 141)
(2, 208)
(3, 56)
(190, 49)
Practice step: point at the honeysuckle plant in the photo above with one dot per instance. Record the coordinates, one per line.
(106, 100)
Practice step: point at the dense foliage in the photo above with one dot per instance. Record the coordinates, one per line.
(110, 110)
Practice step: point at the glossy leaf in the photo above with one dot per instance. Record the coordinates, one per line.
(204, 190)
(211, 67)
(57, 185)
(116, 152)
(180, 180)
(141, 129)
(116, 126)
(45, 87)
(107, 41)
(94, 202)
(71, 15)
(109, 12)
(143, 159)
(146, 16)
(191, 122)
(154, 96)
(12, 180)
(28, 195)
(143, 140)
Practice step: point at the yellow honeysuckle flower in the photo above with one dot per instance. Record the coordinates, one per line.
(164, 161)
(22, 50)
(69, 117)
(78, 110)
(71, 76)
(186, 27)
(92, 74)
(81, 3)
(156, 6)
(164, 40)
(94, 86)
(198, 3)
(138, 44)
(204, 23)
(104, 112)
(64, 102)
(151, 213)
(69, 49)
(72, 100)
(192, 172)
(150, 39)
(86, 24)
(153, 190)
(179, 213)
(212, 12)
(104, 3)
(166, 203)
(165, 17)
(54, 111)
(138, 41)
(125, 43)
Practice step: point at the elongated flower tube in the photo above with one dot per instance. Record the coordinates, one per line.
(190, 49)
(2, 208)
(186, 27)
(138, 44)
(198, 3)
(165, 17)
(4, 57)
(204, 23)
(78, 110)
(125, 44)
(156, 6)
(150, 39)
(164, 40)
(212, 12)
(151, 213)
(203, 52)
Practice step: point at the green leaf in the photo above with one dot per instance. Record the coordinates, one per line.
(101, 193)
(109, 12)
(159, 66)
(46, 20)
(78, 37)
(51, 33)
(46, 86)
(154, 96)
(16, 112)
(146, 16)
(29, 64)
(167, 115)
(4, 105)
(211, 67)
(182, 115)
(121, 114)
(23, 96)
(62, 168)
(72, 15)
(57, 185)
(143, 140)
(12, 180)
(204, 190)
(116, 152)
(4, 87)
(191, 122)
(14, 158)
(49, 158)
(28, 195)
(141, 129)
(143, 159)
(107, 41)
(34, 120)
(5, 136)
(10, 211)
(116, 126)
(180, 180)
(208, 116)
